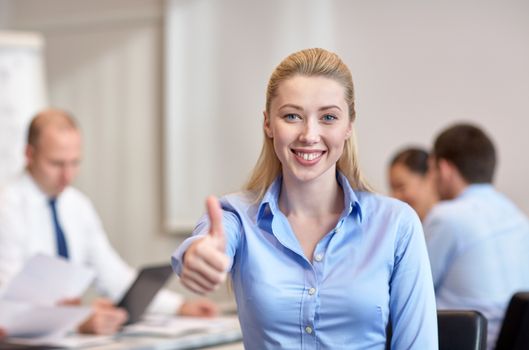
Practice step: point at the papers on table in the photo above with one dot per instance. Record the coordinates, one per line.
(46, 280)
(185, 332)
(72, 340)
(171, 326)
(37, 322)
(29, 304)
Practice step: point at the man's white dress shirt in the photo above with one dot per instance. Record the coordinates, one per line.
(26, 228)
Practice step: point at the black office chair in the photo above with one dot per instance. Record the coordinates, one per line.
(514, 333)
(461, 330)
(458, 330)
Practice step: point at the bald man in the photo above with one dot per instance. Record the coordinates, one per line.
(41, 213)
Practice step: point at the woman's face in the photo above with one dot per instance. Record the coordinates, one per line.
(308, 124)
(408, 186)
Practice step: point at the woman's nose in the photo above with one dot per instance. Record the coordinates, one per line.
(310, 133)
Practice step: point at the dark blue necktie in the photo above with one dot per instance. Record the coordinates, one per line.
(62, 248)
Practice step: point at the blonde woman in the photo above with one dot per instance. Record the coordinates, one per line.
(316, 259)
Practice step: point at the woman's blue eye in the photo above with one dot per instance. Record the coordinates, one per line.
(328, 117)
(291, 117)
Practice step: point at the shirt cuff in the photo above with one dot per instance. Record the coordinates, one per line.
(177, 258)
(166, 302)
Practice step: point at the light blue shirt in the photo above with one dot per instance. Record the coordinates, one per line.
(479, 252)
(371, 269)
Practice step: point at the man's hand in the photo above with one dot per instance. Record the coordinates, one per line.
(199, 308)
(205, 262)
(105, 319)
(69, 302)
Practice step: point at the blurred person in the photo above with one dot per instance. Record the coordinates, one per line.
(477, 238)
(411, 181)
(41, 213)
(317, 260)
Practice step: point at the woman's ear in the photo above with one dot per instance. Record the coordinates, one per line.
(266, 125)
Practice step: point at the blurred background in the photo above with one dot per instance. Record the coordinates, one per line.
(170, 94)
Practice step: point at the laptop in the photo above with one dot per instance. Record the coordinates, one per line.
(143, 290)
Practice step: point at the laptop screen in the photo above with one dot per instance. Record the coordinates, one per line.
(143, 290)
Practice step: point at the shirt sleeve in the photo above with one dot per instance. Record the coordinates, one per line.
(166, 302)
(113, 275)
(412, 301)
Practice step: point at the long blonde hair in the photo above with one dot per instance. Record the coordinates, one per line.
(308, 62)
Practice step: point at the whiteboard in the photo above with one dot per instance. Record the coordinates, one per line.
(22, 94)
(417, 67)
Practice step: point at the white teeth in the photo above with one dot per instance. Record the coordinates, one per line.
(308, 156)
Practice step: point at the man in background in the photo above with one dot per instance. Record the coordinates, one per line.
(477, 238)
(41, 213)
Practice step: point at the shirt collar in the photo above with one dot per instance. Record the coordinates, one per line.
(351, 202)
(476, 188)
(32, 185)
(270, 202)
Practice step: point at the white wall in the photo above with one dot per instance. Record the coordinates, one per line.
(419, 67)
(22, 94)
(5, 13)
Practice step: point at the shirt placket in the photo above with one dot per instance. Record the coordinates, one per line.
(311, 298)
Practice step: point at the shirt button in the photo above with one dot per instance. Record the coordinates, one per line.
(318, 257)
(308, 329)
(312, 291)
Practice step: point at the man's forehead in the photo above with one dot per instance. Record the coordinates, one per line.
(53, 137)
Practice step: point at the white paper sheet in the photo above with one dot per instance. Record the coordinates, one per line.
(172, 326)
(38, 323)
(46, 280)
(29, 310)
(73, 340)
